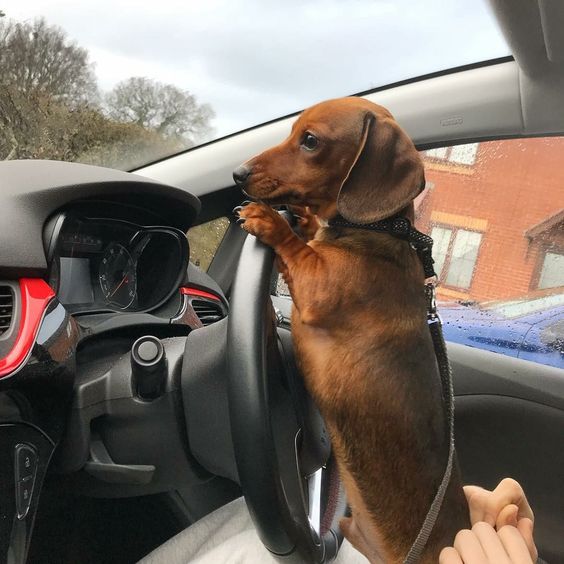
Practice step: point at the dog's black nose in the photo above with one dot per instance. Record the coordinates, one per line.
(241, 173)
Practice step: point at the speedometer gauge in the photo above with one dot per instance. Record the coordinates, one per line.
(118, 276)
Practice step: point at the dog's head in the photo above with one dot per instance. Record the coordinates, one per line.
(346, 156)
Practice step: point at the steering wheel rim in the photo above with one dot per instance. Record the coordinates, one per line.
(266, 404)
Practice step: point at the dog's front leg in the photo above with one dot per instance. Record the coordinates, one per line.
(300, 264)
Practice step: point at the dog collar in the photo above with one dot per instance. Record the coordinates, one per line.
(401, 228)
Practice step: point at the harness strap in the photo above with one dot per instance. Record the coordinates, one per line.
(401, 228)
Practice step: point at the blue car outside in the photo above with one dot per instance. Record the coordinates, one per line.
(528, 329)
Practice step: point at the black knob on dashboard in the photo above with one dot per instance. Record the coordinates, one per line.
(148, 367)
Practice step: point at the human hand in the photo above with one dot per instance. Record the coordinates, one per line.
(505, 505)
(484, 545)
(500, 507)
(502, 528)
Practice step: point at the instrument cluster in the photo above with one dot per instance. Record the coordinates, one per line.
(108, 264)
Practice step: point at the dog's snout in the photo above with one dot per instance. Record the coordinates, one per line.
(241, 174)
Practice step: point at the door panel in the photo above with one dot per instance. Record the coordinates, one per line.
(510, 422)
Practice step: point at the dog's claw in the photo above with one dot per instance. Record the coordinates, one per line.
(238, 208)
(240, 221)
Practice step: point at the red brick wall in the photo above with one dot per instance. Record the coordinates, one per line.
(513, 185)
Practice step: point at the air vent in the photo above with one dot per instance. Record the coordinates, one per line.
(6, 308)
(209, 312)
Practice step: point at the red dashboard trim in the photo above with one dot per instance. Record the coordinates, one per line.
(35, 295)
(199, 293)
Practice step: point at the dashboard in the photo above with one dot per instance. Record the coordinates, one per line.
(91, 259)
(99, 264)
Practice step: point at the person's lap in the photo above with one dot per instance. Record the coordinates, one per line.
(228, 536)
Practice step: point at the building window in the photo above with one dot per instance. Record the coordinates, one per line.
(441, 242)
(455, 252)
(459, 154)
(552, 271)
(438, 153)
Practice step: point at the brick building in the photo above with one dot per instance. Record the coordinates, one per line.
(496, 212)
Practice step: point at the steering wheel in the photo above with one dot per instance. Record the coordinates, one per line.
(282, 449)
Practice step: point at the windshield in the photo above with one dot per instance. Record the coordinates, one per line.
(124, 83)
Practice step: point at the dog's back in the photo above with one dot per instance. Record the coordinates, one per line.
(369, 360)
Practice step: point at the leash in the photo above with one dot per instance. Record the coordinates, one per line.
(401, 228)
(436, 330)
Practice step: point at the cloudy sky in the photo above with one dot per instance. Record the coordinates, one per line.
(254, 60)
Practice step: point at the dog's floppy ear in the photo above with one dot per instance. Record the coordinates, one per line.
(385, 176)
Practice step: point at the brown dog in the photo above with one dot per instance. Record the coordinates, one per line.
(359, 318)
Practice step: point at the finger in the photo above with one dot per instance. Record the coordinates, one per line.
(486, 506)
(478, 501)
(514, 545)
(507, 516)
(508, 492)
(491, 543)
(469, 548)
(449, 556)
(525, 527)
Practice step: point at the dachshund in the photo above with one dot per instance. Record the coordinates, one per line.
(359, 319)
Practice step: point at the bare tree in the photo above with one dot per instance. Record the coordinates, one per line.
(44, 77)
(39, 59)
(47, 87)
(163, 108)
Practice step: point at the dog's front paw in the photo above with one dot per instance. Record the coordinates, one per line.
(308, 224)
(263, 222)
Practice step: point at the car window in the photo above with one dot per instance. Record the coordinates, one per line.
(167, 76)
(204, 241)
(495, 212)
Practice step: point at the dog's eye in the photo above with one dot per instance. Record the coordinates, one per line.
(310, 142)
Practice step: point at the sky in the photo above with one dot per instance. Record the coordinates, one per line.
(255, 60)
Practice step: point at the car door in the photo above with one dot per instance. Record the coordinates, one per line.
(495, 211)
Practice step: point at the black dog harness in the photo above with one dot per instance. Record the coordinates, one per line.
(401, 228)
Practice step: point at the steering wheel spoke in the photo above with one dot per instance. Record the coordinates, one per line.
(314, 505)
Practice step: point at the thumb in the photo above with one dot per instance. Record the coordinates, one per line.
(507, 516)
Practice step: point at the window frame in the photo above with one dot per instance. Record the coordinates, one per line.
(454, 229)
(537, 273)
